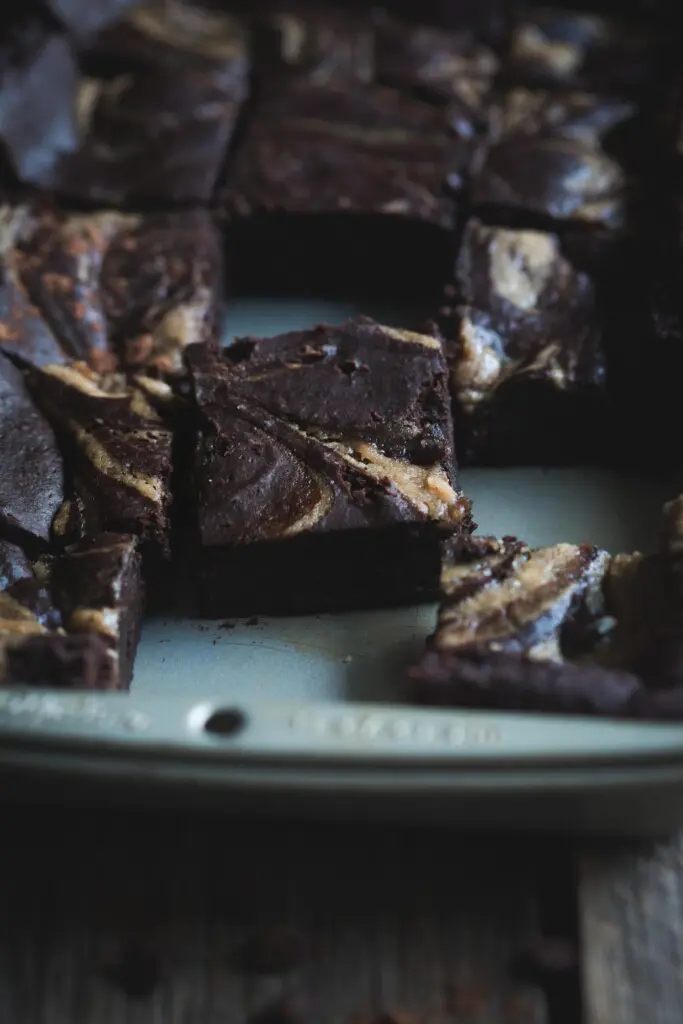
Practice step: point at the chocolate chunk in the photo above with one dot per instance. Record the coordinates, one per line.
(354, 171)
(118, 448)
(98, 588)
(527, 361)
(321, 448)
(580, 50)
(158, 100)
(108, 288)
(554, 157)
(437, 65)
(31, 475)
(38, 82)
(326, 44)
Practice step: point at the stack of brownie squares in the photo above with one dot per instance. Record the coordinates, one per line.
(496, 164)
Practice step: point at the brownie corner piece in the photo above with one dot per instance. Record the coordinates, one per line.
(344, 184)
(325, 470)
(526, 347)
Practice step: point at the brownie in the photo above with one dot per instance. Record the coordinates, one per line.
(31, 470)
(38, 85)
(339, 185)
(158, 101)
(325, 43)
(97, 585)
(324, 470)
(564, 629)
(558, 158)
(74, 622)
(526, 355)
(569, 49)
(437, 65)
(118, 447)
(108, 288)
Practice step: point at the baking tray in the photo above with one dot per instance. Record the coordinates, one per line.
(305, 716)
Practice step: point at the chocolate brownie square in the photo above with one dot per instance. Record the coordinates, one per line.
(526, 349)
(111, 289)
(564, 629)
(31, 469)
(343, 186)
(324, 470)
(158, 101)
(72, 622)
(568, 49)
(117, 438)
(558, 159)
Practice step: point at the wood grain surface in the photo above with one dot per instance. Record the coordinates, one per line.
(174, 919)
(631, 912)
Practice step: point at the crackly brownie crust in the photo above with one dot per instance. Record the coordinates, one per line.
(319, 441)
(107, 288)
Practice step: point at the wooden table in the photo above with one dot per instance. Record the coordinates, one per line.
(125, 918)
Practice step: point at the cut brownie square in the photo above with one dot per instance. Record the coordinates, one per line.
(31, 469)
(564, 629)
(554, 158)
(437, 65)
(108, 288)
(324, 470)
(341, 186)
(38, 85)
(158, 101)
(570, 49)
(117, 441)
(72, 622)
(527, 360)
